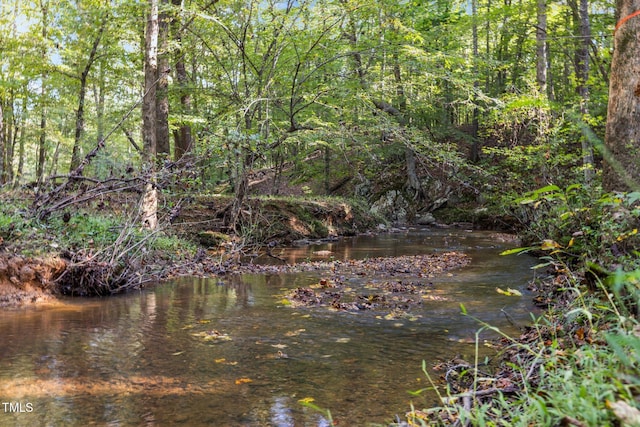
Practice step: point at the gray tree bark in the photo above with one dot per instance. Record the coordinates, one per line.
(149, 202)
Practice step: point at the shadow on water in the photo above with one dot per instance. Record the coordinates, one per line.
(227, 352)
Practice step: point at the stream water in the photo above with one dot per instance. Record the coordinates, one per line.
(140, 358)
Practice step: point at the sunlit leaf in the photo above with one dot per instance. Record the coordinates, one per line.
(549, 244)
(509, 292)
(243, 381)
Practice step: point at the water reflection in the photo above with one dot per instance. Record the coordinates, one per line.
(141, 358)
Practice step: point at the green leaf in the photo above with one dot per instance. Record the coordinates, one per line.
(633, 197)
(463, 309)
(517, 250)
(547, 189)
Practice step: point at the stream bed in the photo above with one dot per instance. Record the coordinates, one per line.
(228, 352)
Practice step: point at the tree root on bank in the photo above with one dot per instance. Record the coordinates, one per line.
(87, 276)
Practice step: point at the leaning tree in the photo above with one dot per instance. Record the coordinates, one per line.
(622, 140)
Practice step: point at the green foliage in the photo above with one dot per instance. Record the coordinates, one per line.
(583, 225)
(87, 229)
(568, 372)
(173, 245)
(11, 224)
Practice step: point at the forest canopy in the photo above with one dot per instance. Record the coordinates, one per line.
(433, 87)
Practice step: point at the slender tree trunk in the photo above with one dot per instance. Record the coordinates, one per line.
(42, 150)
(21, 142)
(621, 170)
(487, 48)
(581, 15)
(149, 203)
(44, 7)
(162, 91)
(474, 152)
(2, 147)
(99, 93)
(183, 142)
(75, 155)
(541, 47)
(541, 80)
(11, 138)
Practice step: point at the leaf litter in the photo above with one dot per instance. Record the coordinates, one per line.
(393, 284)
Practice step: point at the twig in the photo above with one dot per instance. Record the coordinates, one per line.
(479, 393)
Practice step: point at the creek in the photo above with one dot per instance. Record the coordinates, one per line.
(227, 352)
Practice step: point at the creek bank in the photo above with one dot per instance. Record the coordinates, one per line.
(25, 280)
(85, 268)
(265, 223)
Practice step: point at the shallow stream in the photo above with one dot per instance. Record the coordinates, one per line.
(227, 351)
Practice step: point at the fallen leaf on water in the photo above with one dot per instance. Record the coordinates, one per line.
(243, 381)
(307, 400)
(294, 333)
(224, 362)
(212, 336)
(177, 353)
(343, 340)
(509, 292)
(279, 345)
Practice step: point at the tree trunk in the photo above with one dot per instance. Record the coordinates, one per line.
(162, 91)
(621, 170)
(474, 152)
(541, 47)
(99, 93)
(75, 155)
(2, 147)
(183, 143)
(581, 15)
(42, 150)
(44, 7)
(21, 142)
(11, 139)
(149, 202)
